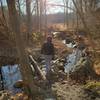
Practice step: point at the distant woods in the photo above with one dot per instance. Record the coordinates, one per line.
(33, 15)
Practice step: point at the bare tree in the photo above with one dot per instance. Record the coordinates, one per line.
(26, 70)
(29, 24)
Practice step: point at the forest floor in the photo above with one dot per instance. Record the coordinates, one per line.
(63, 89)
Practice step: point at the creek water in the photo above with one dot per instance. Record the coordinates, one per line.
(72, 58)
(11, 74)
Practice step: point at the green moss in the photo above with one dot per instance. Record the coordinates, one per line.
(92, 85)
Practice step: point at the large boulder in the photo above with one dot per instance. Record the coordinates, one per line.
(83, 69)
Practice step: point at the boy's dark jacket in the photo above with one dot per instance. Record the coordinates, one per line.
(47, 48)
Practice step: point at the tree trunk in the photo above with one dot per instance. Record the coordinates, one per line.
(28, 10)
(25, 69)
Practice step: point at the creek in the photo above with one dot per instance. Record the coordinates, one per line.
(72, 58)
(10, 75)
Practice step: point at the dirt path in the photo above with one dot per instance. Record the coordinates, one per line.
(64, 90)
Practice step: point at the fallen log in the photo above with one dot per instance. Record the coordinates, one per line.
(37, 68)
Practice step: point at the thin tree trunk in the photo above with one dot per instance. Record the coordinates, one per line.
(45, 16)
(41, 14)
(67, 15)
(28, 10)
(37, 15)
(77, 22)
(64, 13)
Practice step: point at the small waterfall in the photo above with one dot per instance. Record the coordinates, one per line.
(71, 58)
(11, 74)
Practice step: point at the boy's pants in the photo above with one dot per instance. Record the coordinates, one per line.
(48, 59)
